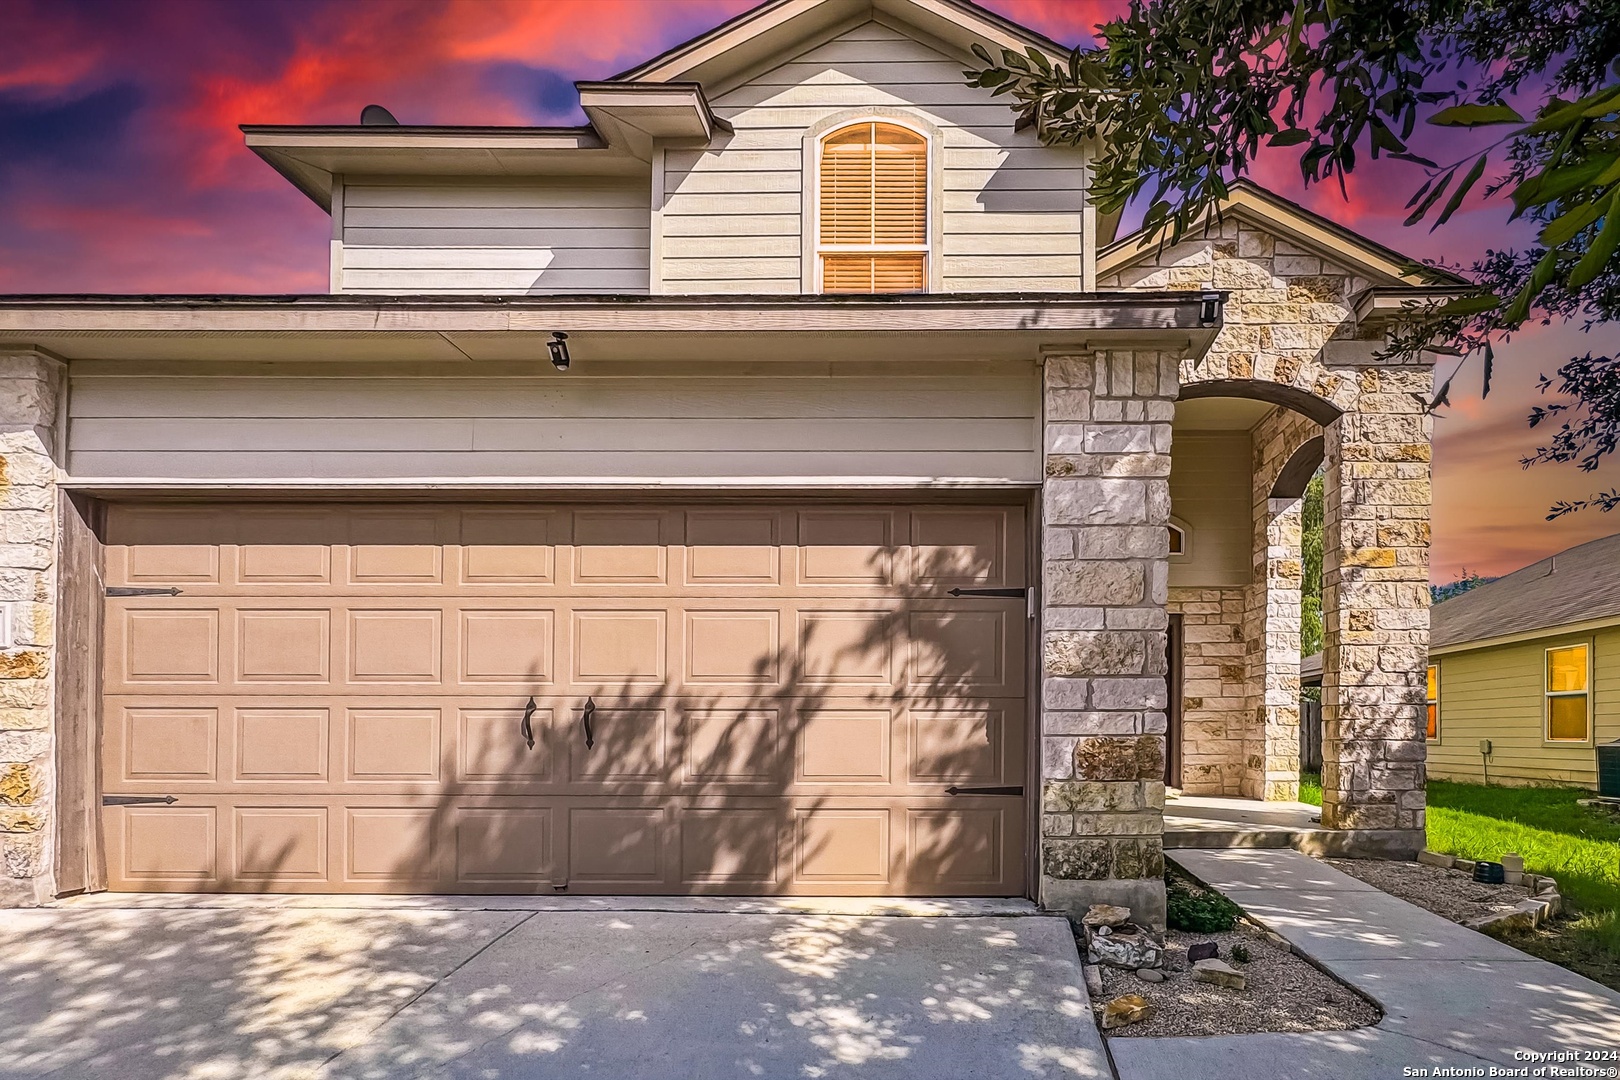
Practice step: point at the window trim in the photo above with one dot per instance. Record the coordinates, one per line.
(1439, 730)
(1178, 526)
(1548, 694)
(810, 201)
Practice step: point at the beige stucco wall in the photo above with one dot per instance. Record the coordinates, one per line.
(1497, 694)
(1209, 495)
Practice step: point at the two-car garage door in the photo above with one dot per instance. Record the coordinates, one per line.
(732, 698)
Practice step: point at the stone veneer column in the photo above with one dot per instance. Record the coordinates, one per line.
(1271, 770)
(1375, 600)
(1105, 508)
(30, 385)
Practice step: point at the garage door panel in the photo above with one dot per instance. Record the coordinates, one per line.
(490, 748)
(507, 646)
(630, 745)
(737, 746)
(393, 744)
(612, 847)
(282, 745)
(734, 548)
(780, 694)
(272, 844)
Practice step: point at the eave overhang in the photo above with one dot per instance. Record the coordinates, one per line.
(320, 327)
(311, 157)
(1386, 304)
(630, 116)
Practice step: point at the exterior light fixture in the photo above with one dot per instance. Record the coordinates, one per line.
(558, 346)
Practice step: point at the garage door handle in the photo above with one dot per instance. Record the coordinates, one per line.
(953, 790)
(527, 727)
(585, 718)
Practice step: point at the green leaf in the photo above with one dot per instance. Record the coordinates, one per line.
(1418, 194)
(1562, 229)
(1603, 247)
(1289, 137)
(1540, 277)
(1475, 116)
(983, 54)
(1490, 362)
(1468, 305)
(1384, 139)
(1430, 199)
(1457, 195)
(1554, 184)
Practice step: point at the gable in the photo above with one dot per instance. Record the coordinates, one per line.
(1304, 234)
(757, 38)
(738, 214)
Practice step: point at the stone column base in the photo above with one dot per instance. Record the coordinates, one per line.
(1144, 896)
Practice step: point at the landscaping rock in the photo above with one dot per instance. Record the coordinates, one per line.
(1150, 975)
(1094, 983)
(1132, 950)
(1219, 973)
(1126, 1009)
(1109, 915)
(1203, 950)
(1434, 858)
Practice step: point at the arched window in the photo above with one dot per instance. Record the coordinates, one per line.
(873, 229)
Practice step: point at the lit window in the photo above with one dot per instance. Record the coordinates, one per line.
(873, 233)
(1433, 730)
(1568, 701)
(1177, 541)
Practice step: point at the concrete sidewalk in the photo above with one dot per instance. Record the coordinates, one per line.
(176, 988)
(1451, 997)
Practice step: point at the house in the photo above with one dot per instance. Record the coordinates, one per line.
(786, 482)
(1529, 663)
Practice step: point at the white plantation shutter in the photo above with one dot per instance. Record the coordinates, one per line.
(874, 195)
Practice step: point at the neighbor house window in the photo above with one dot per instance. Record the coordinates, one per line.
(873, 230)
(1433, 730)
(1568, 699)
(1178, 540)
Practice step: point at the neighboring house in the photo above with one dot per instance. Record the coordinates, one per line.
(1531, 663)
(841, 559)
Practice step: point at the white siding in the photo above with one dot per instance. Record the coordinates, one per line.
(732, 214)
(976, 423)
(476, 236)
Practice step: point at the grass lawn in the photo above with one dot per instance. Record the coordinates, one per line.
(1577, 846)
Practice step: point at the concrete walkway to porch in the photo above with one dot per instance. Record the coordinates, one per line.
(1222, 821)
(1451, 997)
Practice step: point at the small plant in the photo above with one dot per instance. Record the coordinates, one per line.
(1240, 954)
(1198, 910)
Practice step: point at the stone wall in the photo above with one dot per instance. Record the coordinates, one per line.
(1105, 551)
(1290, 323)
(1375, 600)
(1272, 625)
(30, 385)
(1215, 688)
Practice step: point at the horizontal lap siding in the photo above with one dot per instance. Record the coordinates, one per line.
(733, 215)
(1496, 694)
(496, 237)
(968, 426)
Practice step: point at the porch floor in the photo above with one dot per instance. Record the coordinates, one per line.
(1217, 821)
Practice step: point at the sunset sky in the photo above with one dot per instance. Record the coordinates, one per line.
(122, 171)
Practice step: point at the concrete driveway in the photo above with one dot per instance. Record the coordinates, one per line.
(133, 988)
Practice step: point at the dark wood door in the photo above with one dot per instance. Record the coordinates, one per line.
(1172, 730)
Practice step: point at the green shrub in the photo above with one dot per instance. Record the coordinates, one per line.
(1196, 910)
(1240, 954)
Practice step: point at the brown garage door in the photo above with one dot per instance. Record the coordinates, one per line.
(728, 699)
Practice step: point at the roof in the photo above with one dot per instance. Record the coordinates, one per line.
(665, 98)
(776, 28)
(1576, 586)
(1345, 246)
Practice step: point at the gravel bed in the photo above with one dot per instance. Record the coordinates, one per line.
(1451, 894)
(1284, 992)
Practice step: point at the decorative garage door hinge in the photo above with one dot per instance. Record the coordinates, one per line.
(953, 790)
(137, 800)
(131, 590)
